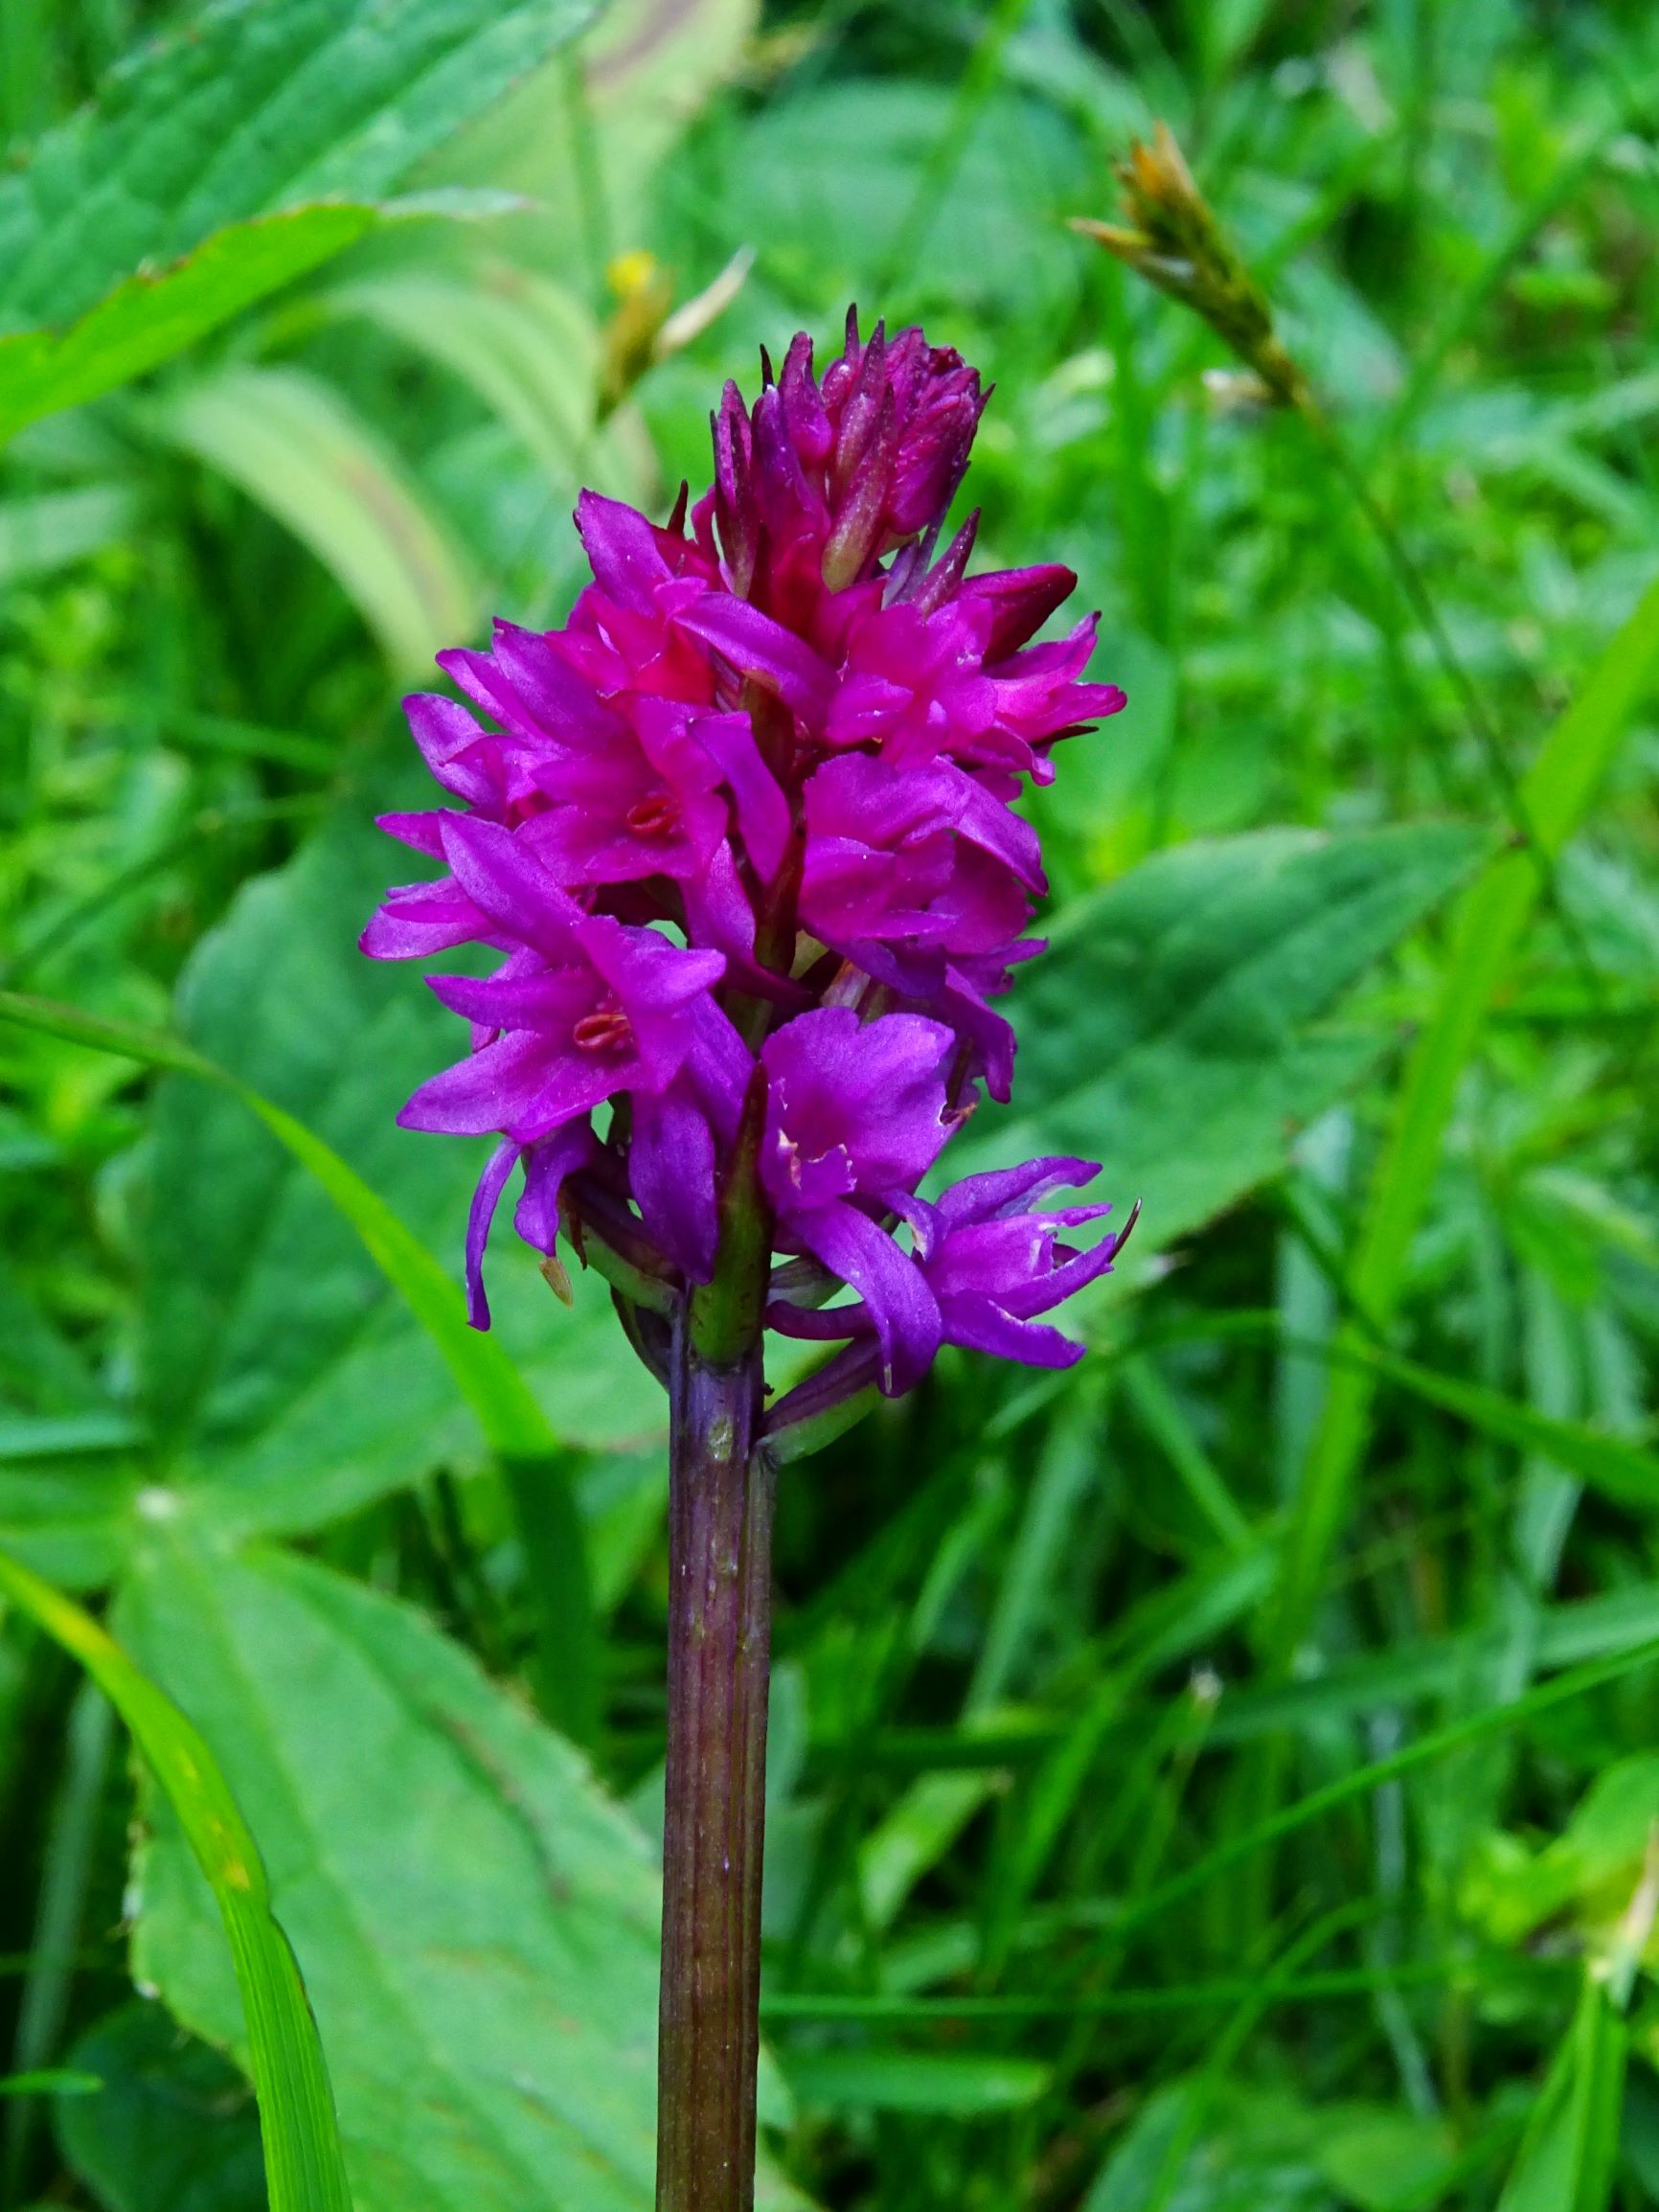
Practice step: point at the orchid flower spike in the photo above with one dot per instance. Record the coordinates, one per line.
(741, 834)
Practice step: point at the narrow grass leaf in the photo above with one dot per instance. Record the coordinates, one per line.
(298, 450)
(1438, 1744)
(1486, 931)
(1624, 1471)
(304, 2167)
(1569, 2155)
(956, 2084)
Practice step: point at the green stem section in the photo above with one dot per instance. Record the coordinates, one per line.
(720, 1491)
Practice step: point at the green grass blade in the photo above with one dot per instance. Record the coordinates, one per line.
(1486, 932)
(1569, 2155)
(67, 1866)
(1156, 2000)
(1577, 165)
(1627, 1472)
(305, 2170)
(1438, 1744)
(1619, 1471)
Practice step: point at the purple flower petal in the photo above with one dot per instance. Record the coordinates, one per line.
(671, 1175)
(978, 1324)
(522, 1084)
(852, 1106)
(505, 881)
(623, 549)
(981, 1198)
(424, 831)
(423, 918)
(758, 647)
(903, 1310)
(490, 1185)
(632, 825)
(763, 810)
(1022, 600)
(546, 1166)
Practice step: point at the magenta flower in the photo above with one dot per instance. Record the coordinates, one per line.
(991, 1265)
(930, 858)
(741, 837)
(740, 830)
(584, 1010)
(855, 1116)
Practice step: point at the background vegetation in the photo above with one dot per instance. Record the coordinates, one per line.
(1218, 1780)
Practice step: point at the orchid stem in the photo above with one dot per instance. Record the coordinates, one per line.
(722, 1483)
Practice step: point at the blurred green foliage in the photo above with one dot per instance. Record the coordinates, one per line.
(1219, 1779)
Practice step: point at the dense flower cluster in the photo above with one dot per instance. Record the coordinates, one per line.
(743, 832)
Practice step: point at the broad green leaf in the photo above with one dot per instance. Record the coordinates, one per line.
(961, 2085)
(294, 446)
(52, 530)
(70, 1519)
(1180, 1027)
(148, 318)
(477, 1923)
(171, 2128)
(273, 2020)
(1486, 933)
(247, 110)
